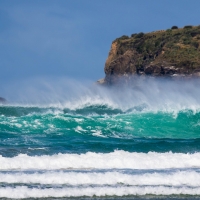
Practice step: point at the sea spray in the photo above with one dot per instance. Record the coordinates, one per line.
(63, 138)
(154, 94)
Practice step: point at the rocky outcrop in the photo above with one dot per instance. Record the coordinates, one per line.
(170, 53)
(2, 100)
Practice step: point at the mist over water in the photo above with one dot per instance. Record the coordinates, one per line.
(149, 93)
(65, 138)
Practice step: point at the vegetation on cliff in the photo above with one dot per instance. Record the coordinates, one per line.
(174, 51)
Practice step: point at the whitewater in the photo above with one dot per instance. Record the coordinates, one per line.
(64, 139)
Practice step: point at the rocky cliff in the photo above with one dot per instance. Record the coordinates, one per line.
(172, 52)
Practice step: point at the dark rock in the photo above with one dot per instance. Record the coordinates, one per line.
(2, 100)
(101, 81)
(154, 70)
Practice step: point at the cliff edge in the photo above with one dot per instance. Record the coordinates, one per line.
(171, 52)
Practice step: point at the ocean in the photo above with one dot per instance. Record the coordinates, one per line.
(83, 141)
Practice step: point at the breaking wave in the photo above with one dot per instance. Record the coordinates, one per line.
(90, 160)
(67, 139)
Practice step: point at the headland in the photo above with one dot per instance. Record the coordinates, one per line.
(174, 52)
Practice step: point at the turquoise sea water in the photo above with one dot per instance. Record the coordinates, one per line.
(138, 143)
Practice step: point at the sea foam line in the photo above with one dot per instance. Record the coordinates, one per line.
(178, 178)
(25, 192)
(89, 160)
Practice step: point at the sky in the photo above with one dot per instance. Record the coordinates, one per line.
(72, 38)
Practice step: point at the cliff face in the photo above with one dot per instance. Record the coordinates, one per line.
(172, 52)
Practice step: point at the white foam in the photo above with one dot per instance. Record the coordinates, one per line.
(98, 133)
(25, 192)
(89, 160)
(178, 179)
(79, 129)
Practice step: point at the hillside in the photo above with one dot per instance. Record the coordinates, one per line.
(171, 52)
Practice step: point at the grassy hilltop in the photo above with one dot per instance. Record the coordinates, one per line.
(170, 52)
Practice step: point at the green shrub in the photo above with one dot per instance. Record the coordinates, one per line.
(170, 45)
(174, 27)
(169, 31)
(133, 35)
(139, 35)
(195, 44)
(123, 37)
(188, 26)
(194, 33)
(186, 40)
(139, 49)
(177, 34)
(157, 43)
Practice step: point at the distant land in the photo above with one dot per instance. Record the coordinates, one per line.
(172, 52)
(2, 100)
